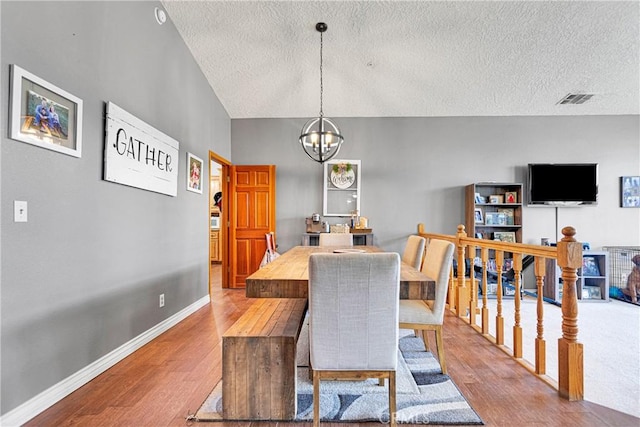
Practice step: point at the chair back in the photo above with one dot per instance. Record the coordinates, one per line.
(353, 311)
(414, 251)
(437, 265)
(335, 239)
(271, 244)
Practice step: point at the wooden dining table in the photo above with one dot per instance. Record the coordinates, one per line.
(288, 276)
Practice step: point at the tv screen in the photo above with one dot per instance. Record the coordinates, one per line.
(566, 184)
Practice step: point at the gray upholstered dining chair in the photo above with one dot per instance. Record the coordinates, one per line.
(335, 239)
(414, 251)
(353, 320)
(422, 316)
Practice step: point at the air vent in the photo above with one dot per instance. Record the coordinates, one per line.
(575, 98)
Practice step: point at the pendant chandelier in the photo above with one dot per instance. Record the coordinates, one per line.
(320, 137)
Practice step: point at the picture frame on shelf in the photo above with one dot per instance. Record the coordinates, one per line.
(508, 264)
(478, 235)
(44, 115)
(495, 218)
(509, 215)
(477, 214)
(590, 266)
(594, 292)
(492, 288)
(505, 236)
(630, 191)
(194, 173)
(511, 197)
(496, 198)
(479, 199)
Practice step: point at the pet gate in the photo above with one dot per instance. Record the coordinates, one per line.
(620, 266)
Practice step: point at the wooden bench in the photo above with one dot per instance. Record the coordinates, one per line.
(259, 361)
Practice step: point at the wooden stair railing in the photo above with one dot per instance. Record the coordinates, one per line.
(463, 300)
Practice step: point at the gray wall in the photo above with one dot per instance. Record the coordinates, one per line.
(83, 276)
(415, 169)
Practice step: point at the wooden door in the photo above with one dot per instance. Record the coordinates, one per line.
(253, 192)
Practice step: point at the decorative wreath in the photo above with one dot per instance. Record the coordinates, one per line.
(341, 168)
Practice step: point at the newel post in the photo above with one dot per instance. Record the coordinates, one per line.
(462, 295)
(570, 355)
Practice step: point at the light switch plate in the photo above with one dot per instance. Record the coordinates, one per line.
(19, 211)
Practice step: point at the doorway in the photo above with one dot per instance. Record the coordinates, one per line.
(218, 232)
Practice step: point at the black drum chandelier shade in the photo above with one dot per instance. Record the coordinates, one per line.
(320, 137)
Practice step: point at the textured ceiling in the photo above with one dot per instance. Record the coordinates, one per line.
(415, 58)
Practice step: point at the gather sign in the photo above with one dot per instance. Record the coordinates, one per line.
(138, 155)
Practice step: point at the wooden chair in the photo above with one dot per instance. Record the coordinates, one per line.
(424, 316)
(414, 251)
(270, 254)
(353, 326)
(335, 239)
(271, 242)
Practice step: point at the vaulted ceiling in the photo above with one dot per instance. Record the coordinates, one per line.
(415, 58)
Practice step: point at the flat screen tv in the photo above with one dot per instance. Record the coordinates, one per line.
(567, 184)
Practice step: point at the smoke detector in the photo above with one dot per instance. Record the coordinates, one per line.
(575, 98)
(161, 15)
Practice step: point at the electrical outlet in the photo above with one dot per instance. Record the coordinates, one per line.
(161, 300)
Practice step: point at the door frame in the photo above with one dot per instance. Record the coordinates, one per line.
(224, 223)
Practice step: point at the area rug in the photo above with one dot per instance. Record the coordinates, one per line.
(424, 395)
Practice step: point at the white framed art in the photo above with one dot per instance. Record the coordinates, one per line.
(43, 114)
(194, 173)
(341, 187)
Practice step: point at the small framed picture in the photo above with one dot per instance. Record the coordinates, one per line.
(495, 218)
(505, 236)
(492, 288)
(496, 198)
(477, 214)
(479, 199)
(194, 173)
(630, 191)
(590, 266)
(594, 292)
(508, 264)
(511, 197)
(508, 215)
(478, 235)
(509, 290)
(44, 115)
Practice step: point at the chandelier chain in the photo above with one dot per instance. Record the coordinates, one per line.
(321, 86)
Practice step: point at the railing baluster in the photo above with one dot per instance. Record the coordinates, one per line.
(499, 318)
(462, 295)
(473, 289)
(541, 345)
(484, 254)
(517, 328)
(451, 293)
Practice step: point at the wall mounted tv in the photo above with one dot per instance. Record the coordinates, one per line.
(568, 184)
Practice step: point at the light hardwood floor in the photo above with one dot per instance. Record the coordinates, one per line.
(168, 379)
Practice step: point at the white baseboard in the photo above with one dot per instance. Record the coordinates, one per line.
(57, 392)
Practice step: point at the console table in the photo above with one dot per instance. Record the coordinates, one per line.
(359, 239)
